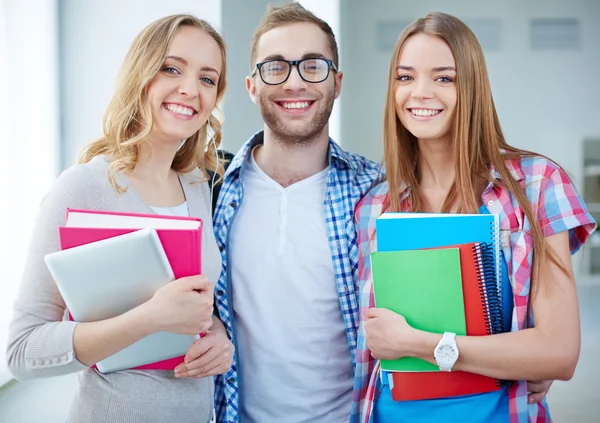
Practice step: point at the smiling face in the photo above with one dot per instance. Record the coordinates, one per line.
(183, 93)
(295, 111)
(426, 93)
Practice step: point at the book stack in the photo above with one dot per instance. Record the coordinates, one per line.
(442, 273)
(112, 262)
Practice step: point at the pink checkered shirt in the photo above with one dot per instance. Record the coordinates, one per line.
(558, 208)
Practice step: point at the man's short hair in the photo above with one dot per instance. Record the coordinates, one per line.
(285, 14)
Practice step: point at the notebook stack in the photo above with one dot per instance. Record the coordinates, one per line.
(112, 262)
(442, 273)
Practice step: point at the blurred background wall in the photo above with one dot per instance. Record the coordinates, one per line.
(59, 60)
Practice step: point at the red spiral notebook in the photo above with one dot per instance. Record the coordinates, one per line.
(180, 237)
(478, 315)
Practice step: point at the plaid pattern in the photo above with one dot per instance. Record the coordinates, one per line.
(350, 178)
(558, 208)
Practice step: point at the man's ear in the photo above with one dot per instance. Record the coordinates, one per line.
(251, 88)
(338, 83)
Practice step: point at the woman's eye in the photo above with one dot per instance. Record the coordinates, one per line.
(444, 79)
(403, 78)
(207, 80)
(171, 70)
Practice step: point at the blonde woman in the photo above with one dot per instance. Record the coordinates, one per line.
(161, 132)
(445, 152)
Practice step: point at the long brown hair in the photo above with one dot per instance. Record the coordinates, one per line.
(128, 118)
(478, 142)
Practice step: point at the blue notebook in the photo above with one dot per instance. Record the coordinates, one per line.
(412, 231)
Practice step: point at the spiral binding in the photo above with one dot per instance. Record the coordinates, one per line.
(489, 286)
(490, 290)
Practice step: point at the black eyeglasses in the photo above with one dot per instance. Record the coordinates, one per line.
(275, 72)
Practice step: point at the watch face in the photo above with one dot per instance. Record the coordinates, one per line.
(446, 353)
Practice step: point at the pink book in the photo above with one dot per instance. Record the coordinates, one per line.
(181, 238)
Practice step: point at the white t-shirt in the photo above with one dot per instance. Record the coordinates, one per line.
(295, 363)
(181, 210)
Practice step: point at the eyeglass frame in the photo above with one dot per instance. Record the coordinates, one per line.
(291, 64)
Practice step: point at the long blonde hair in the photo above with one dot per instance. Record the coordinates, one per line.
(128, 118)
(478, 142)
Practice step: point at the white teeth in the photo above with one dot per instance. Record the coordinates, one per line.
(180, 110)
(425, 112)
(297, 105)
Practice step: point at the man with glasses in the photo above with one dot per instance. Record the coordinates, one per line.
(284, 223)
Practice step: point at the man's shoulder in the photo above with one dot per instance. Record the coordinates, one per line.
(365, 170)
(363, 164)
(235, 161)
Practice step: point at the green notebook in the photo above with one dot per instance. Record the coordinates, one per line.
(425, 286)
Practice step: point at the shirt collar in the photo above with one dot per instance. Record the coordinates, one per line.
(336, 155)
(514, 168)
(512, 165)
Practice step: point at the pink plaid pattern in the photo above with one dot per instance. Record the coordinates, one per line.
(558, 208)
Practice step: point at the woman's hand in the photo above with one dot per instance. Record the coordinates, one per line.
(210, 355)
(182, 306)
(389, 337)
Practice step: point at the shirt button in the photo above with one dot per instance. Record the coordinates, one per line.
(231, 380)
(490, 203)
(31, 363)
(65, 358)
(233, 204)
(220, 292)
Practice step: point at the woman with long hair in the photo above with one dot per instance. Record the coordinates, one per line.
(161, 132)
(445, 153)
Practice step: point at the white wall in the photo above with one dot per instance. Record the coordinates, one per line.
(94, 38)
(329, 11)
(242, 118)
(4, 304)
(29, 135)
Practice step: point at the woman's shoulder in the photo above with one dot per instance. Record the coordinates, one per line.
(532, 168)
(372, 202)
(74, 188)
(79, 176)
(378, 191)
(81, 181)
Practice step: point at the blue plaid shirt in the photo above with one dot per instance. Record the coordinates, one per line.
(350, 178)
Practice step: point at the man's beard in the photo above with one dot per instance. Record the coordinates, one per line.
(289, 135)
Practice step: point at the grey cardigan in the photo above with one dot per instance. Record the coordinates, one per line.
(40, 342)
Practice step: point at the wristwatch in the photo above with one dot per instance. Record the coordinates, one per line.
(446, 352)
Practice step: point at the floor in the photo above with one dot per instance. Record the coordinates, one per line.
(576, 401)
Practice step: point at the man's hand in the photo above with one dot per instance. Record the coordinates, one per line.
(209, 356)
(537, 389)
